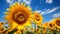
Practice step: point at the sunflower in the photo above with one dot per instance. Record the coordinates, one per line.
(1, 26)
(32, 29)
(37, 30)
(18, 15)
(56, 21)
(45, 25)
(51, 26)
(37, 18)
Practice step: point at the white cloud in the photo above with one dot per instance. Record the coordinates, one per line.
(38, 11)
(13, 1)
(48, 11)
(56, 15)
(49, 1)
(44, 12)
(52, 10)
(19, 1)
(50, 20)
(27, 1)
(10, 2)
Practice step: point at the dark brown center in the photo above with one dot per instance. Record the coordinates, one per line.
(2, 29)
(37, 18)
(50, 25)
(58, 22)
(2, 23)
(20, 17)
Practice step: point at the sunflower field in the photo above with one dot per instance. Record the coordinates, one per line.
(19, 18)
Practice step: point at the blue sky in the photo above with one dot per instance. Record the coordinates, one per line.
(48, 8)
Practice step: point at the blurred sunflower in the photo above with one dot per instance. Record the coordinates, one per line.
(45, 25)
(19, 15)
(38, 18)
(56, 21)
(1, 26)
(37, 30)
(32, 29)
(51, 25)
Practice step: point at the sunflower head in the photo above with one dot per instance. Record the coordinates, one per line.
(32, 29)
(19, 14)
(37, 30)
(51, 25)
(56, 21)
(45, 25)
(1, 25)
(37, 18)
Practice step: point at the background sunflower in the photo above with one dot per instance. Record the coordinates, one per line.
(51, 26)
(38, 18)
(56, 21)
(45, 26)
(1, 26)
